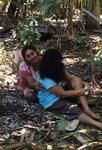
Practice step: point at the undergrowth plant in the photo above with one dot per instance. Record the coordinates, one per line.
(29, 32)
(97, 60)
(81, 42)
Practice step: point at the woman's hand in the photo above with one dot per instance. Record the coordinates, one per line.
(81, 91)
(31, 83)
(37, 86)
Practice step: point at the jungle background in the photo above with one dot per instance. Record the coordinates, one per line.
(75, 28)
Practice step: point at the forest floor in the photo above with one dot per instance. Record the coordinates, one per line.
(25, 125)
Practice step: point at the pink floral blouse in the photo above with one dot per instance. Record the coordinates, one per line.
(25, 71)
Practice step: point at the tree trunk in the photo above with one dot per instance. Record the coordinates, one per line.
(91, 23)
(70, 19)
(12, 9)
(15, 8)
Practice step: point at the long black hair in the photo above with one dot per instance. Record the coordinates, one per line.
(51, 65)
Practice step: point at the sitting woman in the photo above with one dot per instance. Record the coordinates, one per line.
(28, 72)
(54, 97)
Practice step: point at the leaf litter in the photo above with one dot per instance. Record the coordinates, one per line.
(25, 125)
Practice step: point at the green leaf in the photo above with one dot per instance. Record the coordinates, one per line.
(62, 124)
(29, 32)
(97, 60)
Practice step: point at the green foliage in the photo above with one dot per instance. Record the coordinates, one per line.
(31, 3)
(53, 7)
(50, 7)
(98, 60)
(81, 41)
(62, 123)
(29, 32)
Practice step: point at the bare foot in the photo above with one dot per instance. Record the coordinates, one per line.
(91, 114)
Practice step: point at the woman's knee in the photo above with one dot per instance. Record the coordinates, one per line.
(30, 95)
(78, 85)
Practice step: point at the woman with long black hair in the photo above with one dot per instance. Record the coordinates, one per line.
(54, 97)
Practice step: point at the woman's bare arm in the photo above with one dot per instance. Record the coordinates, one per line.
(59, 91)
(75, 81)
(31, 83)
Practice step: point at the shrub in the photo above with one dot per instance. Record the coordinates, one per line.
(29, 32)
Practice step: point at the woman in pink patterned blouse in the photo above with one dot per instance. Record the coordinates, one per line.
(28, 72)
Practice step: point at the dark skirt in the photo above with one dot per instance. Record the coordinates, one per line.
(65, 108)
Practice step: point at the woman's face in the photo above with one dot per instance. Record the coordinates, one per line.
(31, 56)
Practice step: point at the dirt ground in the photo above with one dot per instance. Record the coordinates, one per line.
(25, 125)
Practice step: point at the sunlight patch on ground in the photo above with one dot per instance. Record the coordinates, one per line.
(71, 60)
